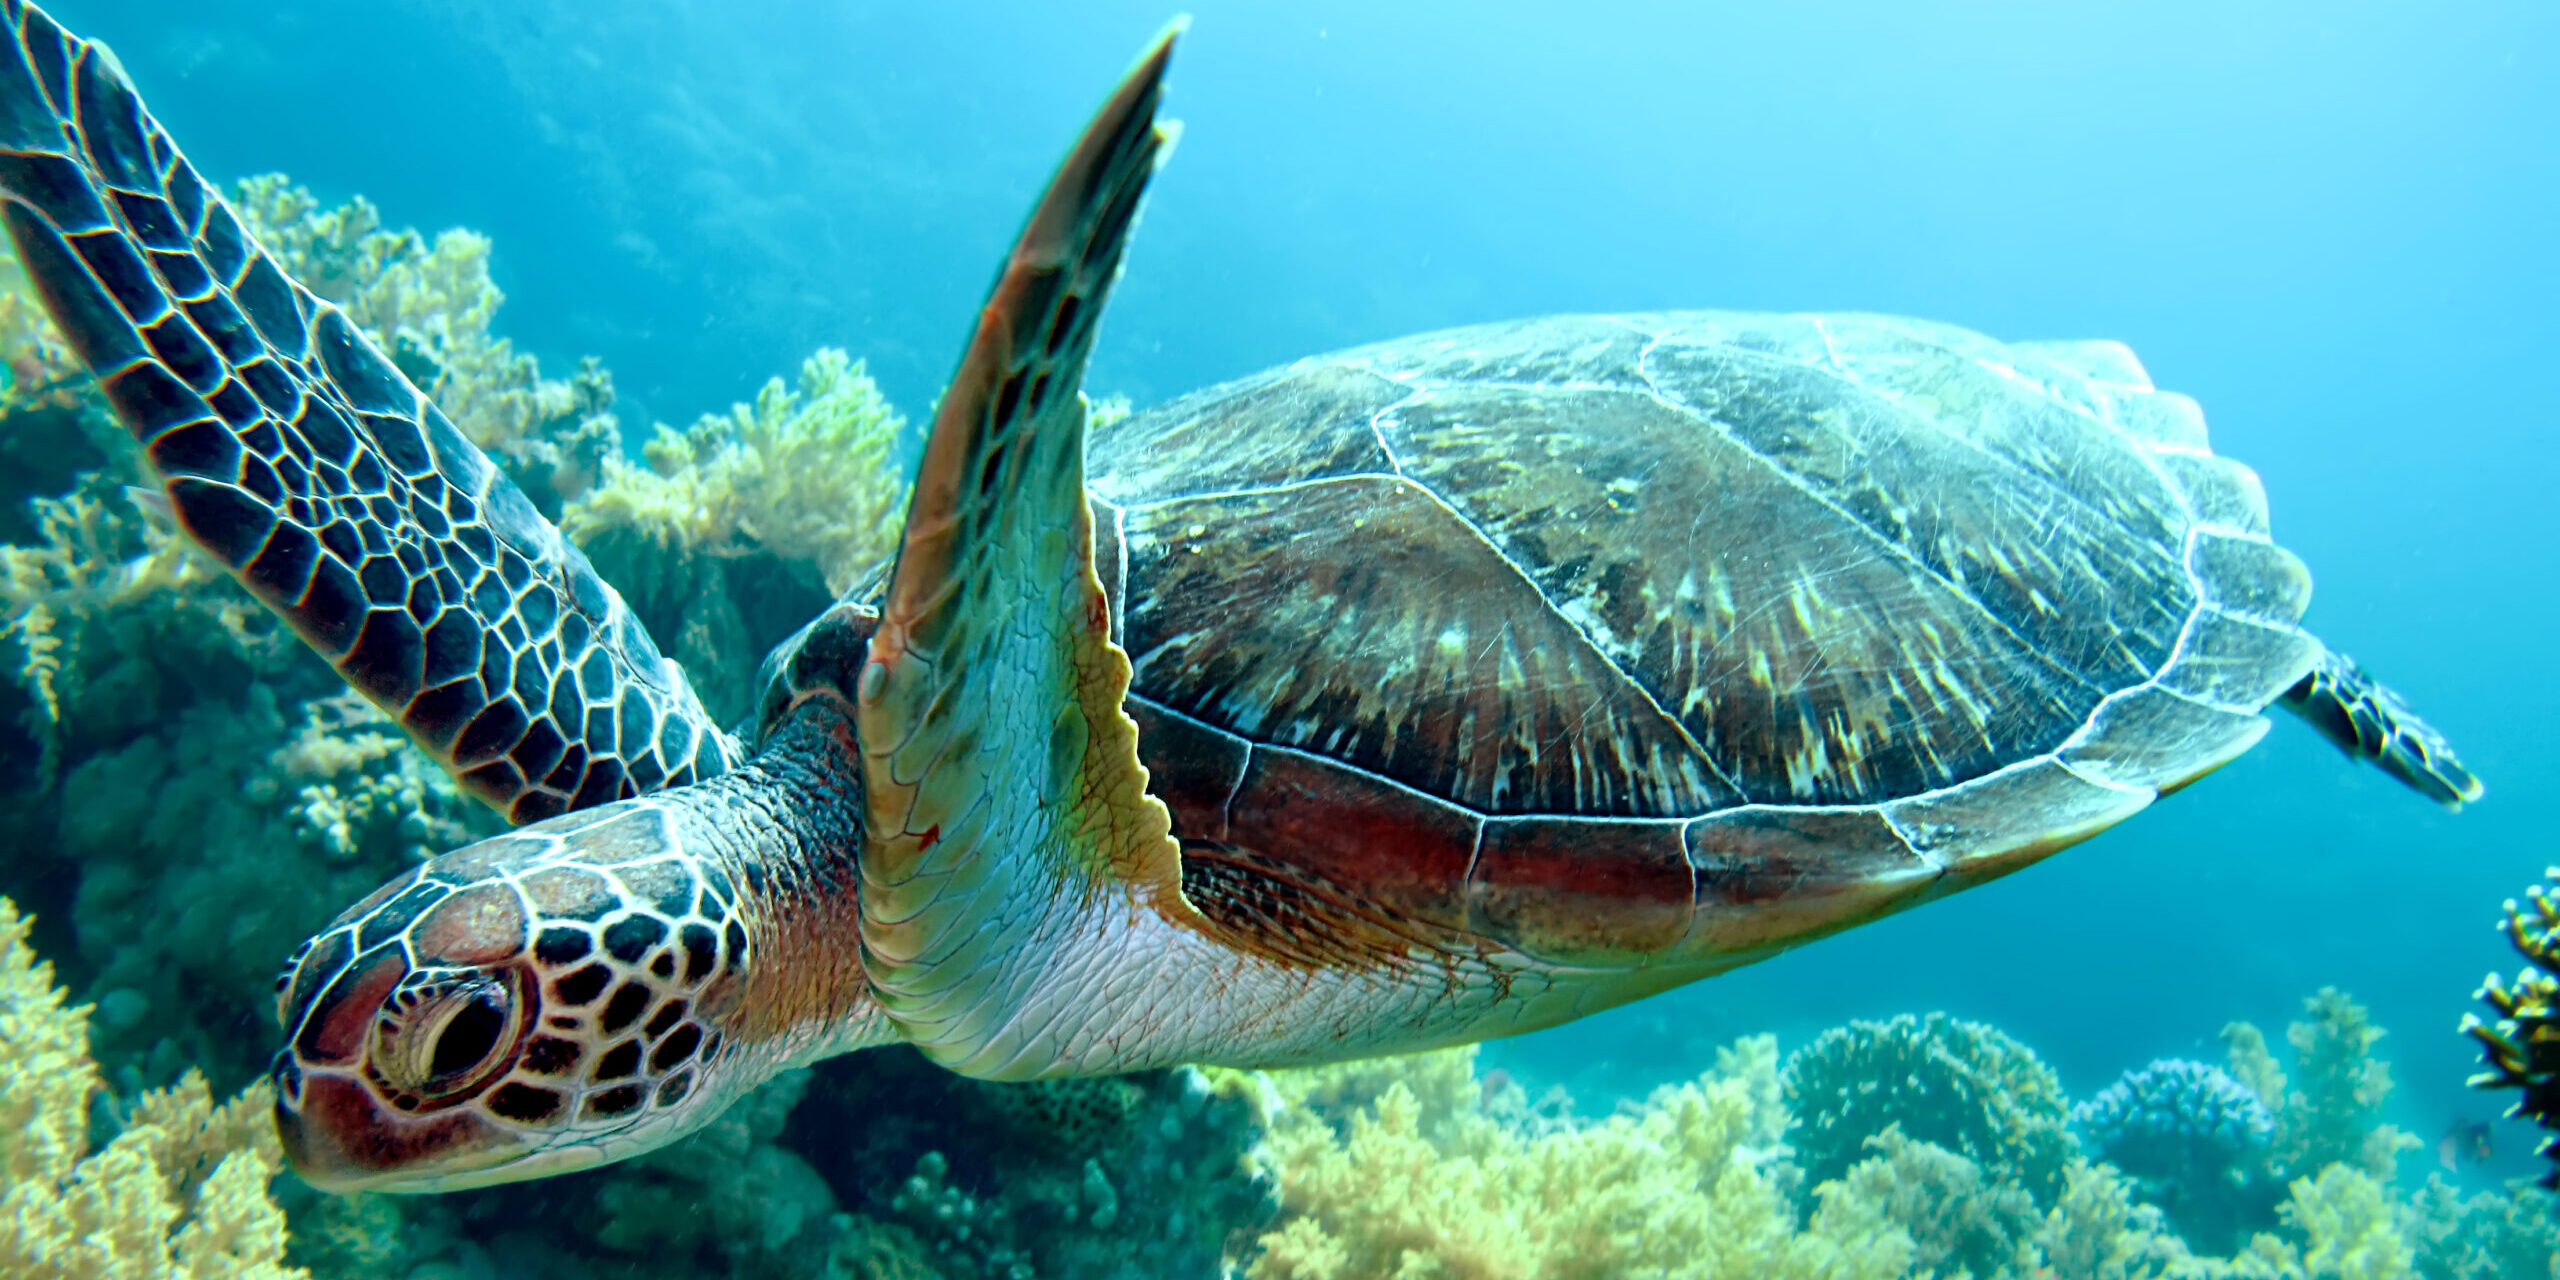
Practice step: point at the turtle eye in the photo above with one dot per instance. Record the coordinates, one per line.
(447, 1038)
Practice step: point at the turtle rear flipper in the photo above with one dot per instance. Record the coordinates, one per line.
(2370, 722)
(318, 474)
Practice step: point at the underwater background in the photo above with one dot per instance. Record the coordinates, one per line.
(2331, 223)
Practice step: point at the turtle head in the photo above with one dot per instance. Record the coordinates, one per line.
(548, 1000)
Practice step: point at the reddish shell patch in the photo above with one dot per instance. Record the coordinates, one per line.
(1575, 890)
(334, 1034)
(478, 926)
(1398, 848)
(318, 966)
(1770, 877)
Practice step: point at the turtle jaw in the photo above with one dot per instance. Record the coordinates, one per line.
(341, 1138)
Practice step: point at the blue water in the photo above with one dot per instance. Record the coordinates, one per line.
(2331, 221)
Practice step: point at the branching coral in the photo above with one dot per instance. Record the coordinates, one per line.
(2195, 1140)
(179, 1194)
(2177, 1120)
(1674, 1189)
(2344, 1217)
(1960, 1085)
(2487, 1236)
(2330, 1110)
(2095, 1231)
(1960, 1220)
(802, 472)
(429, 306)
(2521, 1046)
(742, 526)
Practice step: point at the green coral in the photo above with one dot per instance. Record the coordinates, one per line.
(1136, 1175)
(2345, 1219)
(2329, 1111)
(1963, 1086)
(178, 1193)
(2486, 1236)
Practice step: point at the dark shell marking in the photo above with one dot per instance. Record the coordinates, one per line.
(297, 455)
(1612, 639)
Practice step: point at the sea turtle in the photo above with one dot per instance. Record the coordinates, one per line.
(1431, 691)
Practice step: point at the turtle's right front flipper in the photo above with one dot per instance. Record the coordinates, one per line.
(298, 456)
(2370, 722)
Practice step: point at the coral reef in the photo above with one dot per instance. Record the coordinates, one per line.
(1394, 1185)
(1960, 1219)
(746, 524)
(179, 1192)
(2197, 1143)
(1922, 1145)
(2095, 1231)
(2330, 1110)
(429, 306)
(1416, 1167)
(142, 670)
(2521, 1046)
(2487, 1236)
(1136, 1176)
(1960, 1085)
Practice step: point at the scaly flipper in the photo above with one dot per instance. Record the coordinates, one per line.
(1003, 780)
(300, 458)
(2370, 722)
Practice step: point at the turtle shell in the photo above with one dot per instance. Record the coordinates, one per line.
(1616, 639)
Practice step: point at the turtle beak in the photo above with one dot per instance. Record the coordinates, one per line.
(339, 1137)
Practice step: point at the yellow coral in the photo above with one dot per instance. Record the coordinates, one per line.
(429, 306)
(1675, 1190)
(2095, 1232)
(180, 1194)
(802, 473)
(41, 370)
(2345, 1220)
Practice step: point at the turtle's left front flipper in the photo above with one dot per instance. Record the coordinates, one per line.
(2370, 722)
(1004, 791)
(328, 484)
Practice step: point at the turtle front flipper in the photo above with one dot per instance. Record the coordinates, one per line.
(319, 475)
(1003, 783)
(2370, 722)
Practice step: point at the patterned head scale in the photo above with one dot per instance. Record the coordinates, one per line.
(544, 1001)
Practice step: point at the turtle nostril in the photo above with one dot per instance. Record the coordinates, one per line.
(468, 1038)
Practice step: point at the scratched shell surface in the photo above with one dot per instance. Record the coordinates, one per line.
(1649, 576)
